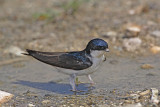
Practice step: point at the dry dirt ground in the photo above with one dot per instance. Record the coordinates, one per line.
(62, 25)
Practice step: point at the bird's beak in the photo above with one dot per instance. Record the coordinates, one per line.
(107, 50)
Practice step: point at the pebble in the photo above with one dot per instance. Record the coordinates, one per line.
(31, 105)
(5, 96)
(134, 105)
(156, 33)
(128, 101)
(134, 96)
(109, 34)
(45, 102)
(14, 50)
(144, 93)
(132, 31)
(155, 49)
(132, 44)
(154, 97)
(147, 66)
(139, 10)
(132, 12)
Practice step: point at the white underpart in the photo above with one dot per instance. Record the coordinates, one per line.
(97, 58)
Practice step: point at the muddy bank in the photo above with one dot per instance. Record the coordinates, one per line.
(41, 80)
(131, 29)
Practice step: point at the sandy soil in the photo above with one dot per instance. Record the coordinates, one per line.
(121, 75)
(67, 26)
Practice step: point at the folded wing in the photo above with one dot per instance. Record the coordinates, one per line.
(68, 60)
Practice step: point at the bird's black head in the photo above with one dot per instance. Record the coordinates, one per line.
(97, 45)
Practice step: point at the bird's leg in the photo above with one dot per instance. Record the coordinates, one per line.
(77, 81)
(90, 79)
(72, 82)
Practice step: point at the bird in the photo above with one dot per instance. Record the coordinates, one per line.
(75, 63)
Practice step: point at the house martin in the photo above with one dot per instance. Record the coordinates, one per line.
(76, 63)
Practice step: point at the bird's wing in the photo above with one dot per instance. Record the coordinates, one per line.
(68, 60)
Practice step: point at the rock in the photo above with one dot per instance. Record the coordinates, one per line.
(132, 44)
(155, 49)
(132, 31)
(139, 10)
(142, 9)
(154, 96)
(31, 105)
(109, 34)
(144, 93)
(147, 66)
(134, 96)
(132, 12)
(134, 105)
(14, 50)
(5, 96)
(128, 101)
(44, 102)
(156, 33)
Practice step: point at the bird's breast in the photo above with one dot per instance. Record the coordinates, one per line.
(97, 61)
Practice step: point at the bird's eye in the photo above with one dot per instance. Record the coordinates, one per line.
(101, 47)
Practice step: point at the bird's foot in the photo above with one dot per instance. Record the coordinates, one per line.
(92, 84)
(77, 82)
(77, 91)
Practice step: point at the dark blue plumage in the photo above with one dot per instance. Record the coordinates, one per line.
(96, 44)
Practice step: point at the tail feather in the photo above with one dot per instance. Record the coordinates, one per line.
(41, 56)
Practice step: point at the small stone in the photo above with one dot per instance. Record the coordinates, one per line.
(132, 44)
(5, 96)
(134, 96)
(72, 104)
(109, 34)
(144, 93)
(156, 33)
(128, 101)
(142, 9)
(155, 49)
(14, 50)
(132, 12)
(154, 97)
(147, 66)
(134, 105)
(31, 105)
(132, 31)
(134, 28)
(45, 102)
